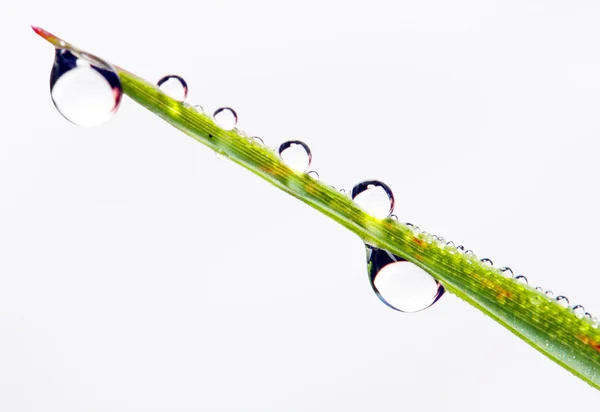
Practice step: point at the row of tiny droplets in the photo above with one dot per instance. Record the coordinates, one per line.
(226, 118)
(578, 310)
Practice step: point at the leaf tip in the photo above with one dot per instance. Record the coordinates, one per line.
(47, 35)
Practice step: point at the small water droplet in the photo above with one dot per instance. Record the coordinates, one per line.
(579, 311)
(85, 89)
(257, 140)
(539, 289)
(451, 244)
(507, 272)
(487, 262)
(521, 279)
(226, 118)
(375, 197)
(563, 301)
(550, 294)
(595, 322)
(460, 248)
(469, 252)
(400, 284)
(588, 316)
(221, 155)
(296, 155)
(173, 86)
(199, 108)
(313, 174)
(394, 217)
(240, 132)
(343, 191)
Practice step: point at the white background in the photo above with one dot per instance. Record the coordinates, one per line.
(140, 273)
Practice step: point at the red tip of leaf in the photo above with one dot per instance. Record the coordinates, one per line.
(40, 31)
(44, 34)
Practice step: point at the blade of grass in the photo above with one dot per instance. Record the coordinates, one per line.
(555, 331)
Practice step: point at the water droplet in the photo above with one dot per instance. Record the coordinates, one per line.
(296, 155)
(343, 191)
(173, 86)
(85, 89)
(521, 279)
(487, 262)
(374, 197)
(588, 316)
(451, 244)
(563, 301)
(506, 272)
(394, 217)
(257, 140)
(539, 289)
(595, 322)
(460, 248)
(225, 117)
(221, 155)
(199, 108)
(400, 284)
(469, 252)
(550, 294)
(313, 174)
(579, 311)
(241, 133)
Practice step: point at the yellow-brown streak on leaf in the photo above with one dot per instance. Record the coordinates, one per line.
(590, 342)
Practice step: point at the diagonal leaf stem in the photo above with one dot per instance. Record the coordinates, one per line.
(553, 330)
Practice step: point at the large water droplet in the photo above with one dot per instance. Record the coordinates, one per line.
(226, 118)
(173, 86)
(374, 197)
(85, 89)
(400, 284)
(296, 155)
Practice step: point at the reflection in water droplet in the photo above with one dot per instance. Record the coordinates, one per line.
(487, 262)
(199, 108)
(296, 155)
(507, 272)
(226, 118)
(375, 197)
(579, 311)
(521, 279)
(85, 89)
(563, 301)
(313, 174)
(550, 294)
(173, 86)
(400, 284)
